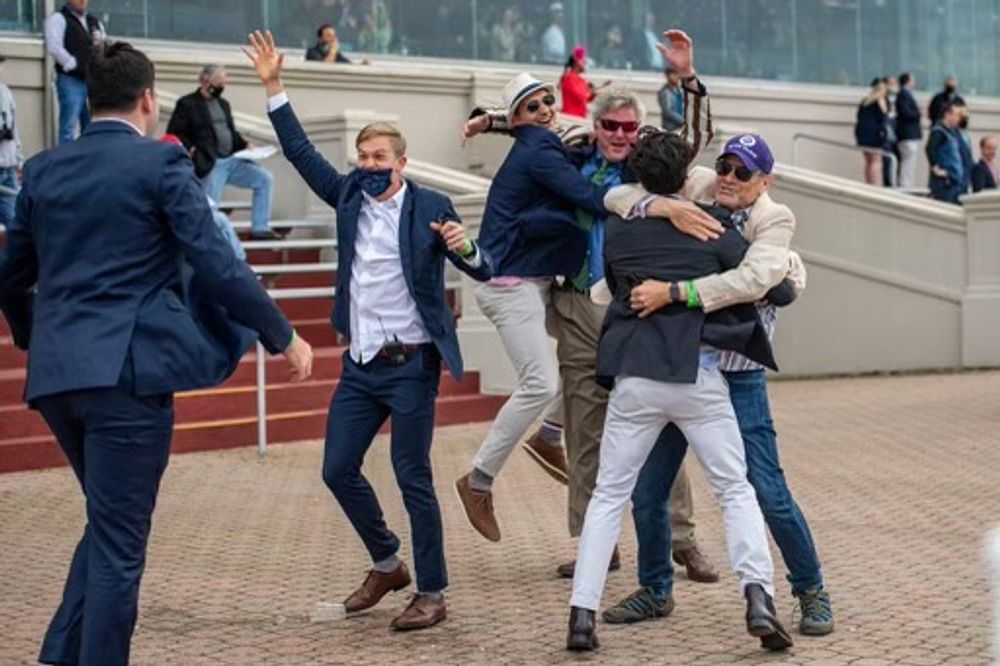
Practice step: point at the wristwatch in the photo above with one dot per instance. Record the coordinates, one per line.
(675, 292)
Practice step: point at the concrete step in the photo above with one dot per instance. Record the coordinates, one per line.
(41, 451)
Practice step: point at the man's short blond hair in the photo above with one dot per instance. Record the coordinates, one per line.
(373, 130)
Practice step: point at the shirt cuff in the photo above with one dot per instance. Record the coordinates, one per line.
(476, 260)
(276, 102)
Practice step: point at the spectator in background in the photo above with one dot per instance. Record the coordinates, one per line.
(643, 53)
(889, 173)
(612, 53)
(870, 130)
(908, 131)
(376, 28)
(10, 154)
(965, 146)
(576, 91)
(554, 39)
(203, 121)
(671, 99)
(944, 154)
(70, 34)
(327, 48)
(984, 173)
(503, 37)
(943, 98)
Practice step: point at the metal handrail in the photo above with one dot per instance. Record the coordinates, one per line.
(893, 160)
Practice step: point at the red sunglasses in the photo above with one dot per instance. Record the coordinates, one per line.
(628, 126)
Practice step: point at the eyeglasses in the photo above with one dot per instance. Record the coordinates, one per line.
(743, 174)
(534, 105)
(628, 126)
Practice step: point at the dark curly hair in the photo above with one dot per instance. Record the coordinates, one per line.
(660, 160)
(117, 75)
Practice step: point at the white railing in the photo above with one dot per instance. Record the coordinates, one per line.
(804, 136)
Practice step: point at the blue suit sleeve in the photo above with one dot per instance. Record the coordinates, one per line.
(226, 279)
(19, 273)
(480, 273)
(321, 176)
(550, 166)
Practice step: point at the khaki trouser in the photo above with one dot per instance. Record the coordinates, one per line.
(578, 329)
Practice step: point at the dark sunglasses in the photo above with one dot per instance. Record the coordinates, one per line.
(534, 105)
(609, 125)
(724, 168)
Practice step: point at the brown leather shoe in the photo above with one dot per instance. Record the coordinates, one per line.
(550, 457)
(376, 586)
(424, 611)
(566, 569)
(478, 509)
(699, 568)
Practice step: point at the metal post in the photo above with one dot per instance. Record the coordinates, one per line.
(261, 401)
(48, 85)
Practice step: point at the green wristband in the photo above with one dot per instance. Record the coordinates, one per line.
(468, 250)
(694, 301)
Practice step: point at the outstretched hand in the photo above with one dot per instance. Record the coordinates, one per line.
(680, 53)
(452, 233)
(266, 59)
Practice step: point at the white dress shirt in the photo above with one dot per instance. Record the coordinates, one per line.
(55, 39)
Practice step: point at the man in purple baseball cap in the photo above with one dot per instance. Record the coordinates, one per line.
(740, 183)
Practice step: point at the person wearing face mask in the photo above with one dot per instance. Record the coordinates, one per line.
(70, 34)
(941, 100)
(203, 120)
(104, 228)
(393, 238)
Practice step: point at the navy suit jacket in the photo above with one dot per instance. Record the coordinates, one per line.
(103, 227)
(982, 177)
(421, 250)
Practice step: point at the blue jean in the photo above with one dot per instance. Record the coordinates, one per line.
(8, 180)
(248, 175)
(366, 396)
(73, 111)
(118, 445)
(788, 527)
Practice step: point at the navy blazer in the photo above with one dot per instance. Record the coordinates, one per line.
(103, 227)
(422, 252)
(665, 346)
(907, 117)
(529, 224)
(982, 177)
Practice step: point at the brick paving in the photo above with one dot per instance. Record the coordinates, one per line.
(899, 477)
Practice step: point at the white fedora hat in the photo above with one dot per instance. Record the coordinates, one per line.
(518, 88)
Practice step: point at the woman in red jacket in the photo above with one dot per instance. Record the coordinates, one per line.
(576, 91)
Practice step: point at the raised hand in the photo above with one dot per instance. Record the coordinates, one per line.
(680, 53)
(266, 59)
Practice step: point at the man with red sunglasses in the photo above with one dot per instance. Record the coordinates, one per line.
(740, 183)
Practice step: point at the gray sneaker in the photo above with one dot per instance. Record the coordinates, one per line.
(639, 606)
(817, 612)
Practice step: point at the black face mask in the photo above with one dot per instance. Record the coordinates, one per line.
(950, 89)
(963, 123)
(216, 91)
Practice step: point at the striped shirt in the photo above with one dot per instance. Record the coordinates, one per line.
(731, 361)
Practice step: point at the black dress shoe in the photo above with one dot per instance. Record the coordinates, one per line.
(762, 621)
(582, 635)
(266, 235)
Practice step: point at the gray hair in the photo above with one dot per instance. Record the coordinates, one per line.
(619, 98)
(208, 71)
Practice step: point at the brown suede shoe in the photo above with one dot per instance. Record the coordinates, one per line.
(478, 509)
(552, 458)
(424, 611)
(699, 568)
(376, 586)
(566, 569)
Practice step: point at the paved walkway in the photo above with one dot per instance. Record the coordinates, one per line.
(900, 478)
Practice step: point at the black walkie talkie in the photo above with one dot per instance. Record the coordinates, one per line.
(394, 350)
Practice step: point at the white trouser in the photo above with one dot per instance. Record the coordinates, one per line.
(520, 314)
(638, 410)
(908, 151)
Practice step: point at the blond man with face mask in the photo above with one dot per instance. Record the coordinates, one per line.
(393, 238)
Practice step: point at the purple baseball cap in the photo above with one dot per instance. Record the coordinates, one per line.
(752, 150)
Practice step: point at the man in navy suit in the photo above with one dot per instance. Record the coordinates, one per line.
(393, 239)
(103, 226)
(984, 173)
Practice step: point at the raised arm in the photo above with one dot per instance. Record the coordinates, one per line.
(552, 169)
(319, 174)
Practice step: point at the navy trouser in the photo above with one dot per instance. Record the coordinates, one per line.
(366, 396)
(118, 445)
(788, 527)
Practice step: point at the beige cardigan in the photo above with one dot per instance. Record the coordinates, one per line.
(769, 230)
